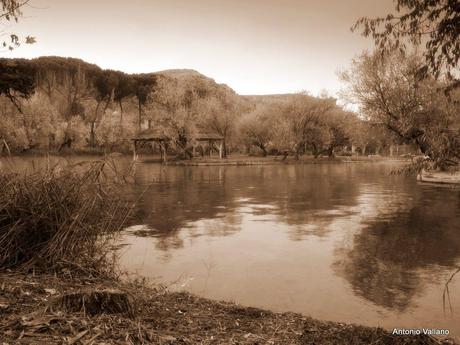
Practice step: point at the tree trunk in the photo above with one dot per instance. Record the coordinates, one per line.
(121, 118)
(139, 126)
(316, 152)
(224, 149)
(264, 150)
(92, 135)
(26, 130)
(296, 155)
(285, 155)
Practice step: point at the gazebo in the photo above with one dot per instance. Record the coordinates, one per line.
(158, 136)
(211, 139)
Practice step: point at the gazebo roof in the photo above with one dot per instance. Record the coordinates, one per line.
(158, 134)
(208, 136)
(151, 134)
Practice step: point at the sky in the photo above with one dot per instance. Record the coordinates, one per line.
(254, 46)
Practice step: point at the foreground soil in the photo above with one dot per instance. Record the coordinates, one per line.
(31, 313)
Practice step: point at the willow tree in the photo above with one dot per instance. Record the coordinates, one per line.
(436, 24)
(391, 93)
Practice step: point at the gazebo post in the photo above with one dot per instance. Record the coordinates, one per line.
(163, 151)
(134, 150)
(221, 149)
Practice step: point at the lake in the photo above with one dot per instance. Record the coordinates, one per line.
(347, 242)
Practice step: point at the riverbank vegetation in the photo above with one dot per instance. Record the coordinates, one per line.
(54, 104)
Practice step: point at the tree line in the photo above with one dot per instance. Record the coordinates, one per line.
(53, 103)
(407, 92)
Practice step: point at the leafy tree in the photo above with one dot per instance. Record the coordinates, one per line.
(436, 23)
(302, 120)
(335, 122)
(104, 85)
(124, 89)
(173, 105)
(143, 88)
(256, 128)
(16, 80)
(221, 109)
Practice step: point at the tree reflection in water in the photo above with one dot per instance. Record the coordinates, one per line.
(398, 230)
(174, 198)
(390, 255)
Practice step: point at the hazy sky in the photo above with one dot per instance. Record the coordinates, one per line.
(254, 46)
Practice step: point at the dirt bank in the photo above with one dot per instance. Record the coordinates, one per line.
(30, 313)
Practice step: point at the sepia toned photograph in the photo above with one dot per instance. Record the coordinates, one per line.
(229, 172)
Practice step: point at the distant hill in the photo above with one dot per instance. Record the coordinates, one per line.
(179, 73)
(183, 76)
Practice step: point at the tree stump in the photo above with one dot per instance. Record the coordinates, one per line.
(94, 302)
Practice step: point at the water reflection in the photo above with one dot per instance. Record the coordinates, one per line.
(299, 196)
(411, 237)
(366, 240)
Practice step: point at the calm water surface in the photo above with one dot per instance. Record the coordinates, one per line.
(341, 242)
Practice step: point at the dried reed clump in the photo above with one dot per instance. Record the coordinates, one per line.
(60, 219)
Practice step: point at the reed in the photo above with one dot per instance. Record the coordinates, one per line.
(61, 219)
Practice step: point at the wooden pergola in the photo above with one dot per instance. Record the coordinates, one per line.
(159, 137)
(211, 139)
(152, 136)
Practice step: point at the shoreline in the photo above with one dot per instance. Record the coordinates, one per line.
(232, 160)
(291, 161)
(30, 315)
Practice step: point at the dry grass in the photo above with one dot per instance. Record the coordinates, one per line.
(60, 218)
